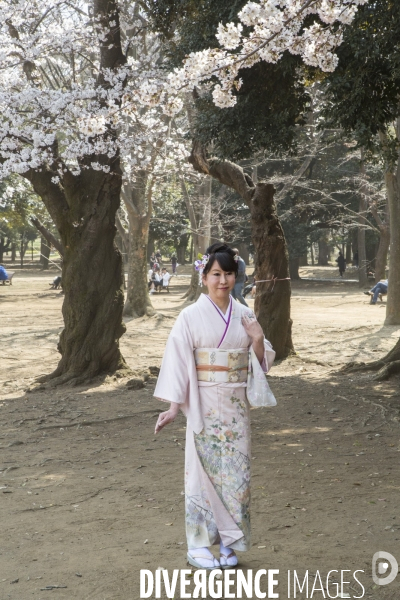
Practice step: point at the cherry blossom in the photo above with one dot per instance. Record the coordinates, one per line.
(276, 26)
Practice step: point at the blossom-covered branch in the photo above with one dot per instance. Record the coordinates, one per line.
(309, 28)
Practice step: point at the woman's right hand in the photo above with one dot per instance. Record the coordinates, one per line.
(167, 417)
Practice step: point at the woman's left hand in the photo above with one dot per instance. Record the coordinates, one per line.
(252, 327)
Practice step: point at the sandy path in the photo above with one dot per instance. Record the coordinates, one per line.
(79, 501)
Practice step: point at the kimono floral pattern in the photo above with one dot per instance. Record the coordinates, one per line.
(200, 522)
(223, 448)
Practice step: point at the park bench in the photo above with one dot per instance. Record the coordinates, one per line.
(9, 280)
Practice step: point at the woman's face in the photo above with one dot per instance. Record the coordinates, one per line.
(219, 282)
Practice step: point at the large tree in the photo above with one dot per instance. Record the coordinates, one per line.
(84, 114)
(55, 133)
(364, 98)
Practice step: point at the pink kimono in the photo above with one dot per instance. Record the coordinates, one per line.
(207, 367)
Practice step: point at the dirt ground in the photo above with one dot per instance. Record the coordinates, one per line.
(89, 496)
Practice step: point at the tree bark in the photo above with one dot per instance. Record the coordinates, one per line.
(48, 236)
(181, 249)
(272, 304)
(4, 247)
(294, 264)
(137, 197)
(392, 179)
(83, 208)
(382, 253)
(91, 272)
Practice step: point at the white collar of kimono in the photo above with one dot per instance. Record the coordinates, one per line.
(225, 315)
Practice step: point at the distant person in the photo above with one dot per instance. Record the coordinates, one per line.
(152, 260)
(155, 280)
(56, 283)
(380, 288)
(341, 262)
(3, 274)
(240, 279)
(165, 277)
(149, 276)
(159, 257)
(174, 262)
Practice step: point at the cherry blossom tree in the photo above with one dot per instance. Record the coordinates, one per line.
(68, 85)
(74, 95)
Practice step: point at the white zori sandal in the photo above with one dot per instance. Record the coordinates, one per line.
(201, 558)
(227, 558)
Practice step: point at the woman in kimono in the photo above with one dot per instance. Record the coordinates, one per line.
(215, 349)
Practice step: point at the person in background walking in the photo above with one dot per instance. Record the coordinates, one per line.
(240, 279)
(174, 262)
(159, 257)
(152, 260)
(341, 262)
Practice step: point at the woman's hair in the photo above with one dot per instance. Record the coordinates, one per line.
(224, 255)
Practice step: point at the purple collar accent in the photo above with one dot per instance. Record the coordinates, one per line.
(227, 322)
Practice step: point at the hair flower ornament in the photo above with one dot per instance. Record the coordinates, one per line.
(236, 258)
(201, 263)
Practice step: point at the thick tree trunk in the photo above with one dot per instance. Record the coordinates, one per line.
(44, 253)
(272, 305)
(393, 299)
(382, 253)
(294, 264)
(195, 289)
(181, 249)
(91, 273)
(138, 202)
(13, 252)
(138, 301)
(83, 208)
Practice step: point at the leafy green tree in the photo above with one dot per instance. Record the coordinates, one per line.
(363, 97)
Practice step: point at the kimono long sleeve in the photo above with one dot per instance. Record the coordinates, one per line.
(177, 380)
(269, 356)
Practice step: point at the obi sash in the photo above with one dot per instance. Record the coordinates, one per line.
(222, 366)
(235, 366)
